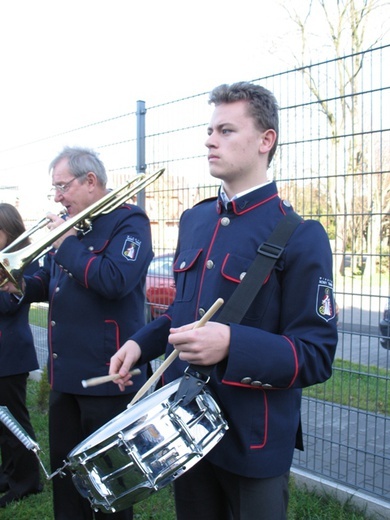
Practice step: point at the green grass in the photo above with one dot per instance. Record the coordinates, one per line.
(366, 388)
(304, 505)
(38, 315)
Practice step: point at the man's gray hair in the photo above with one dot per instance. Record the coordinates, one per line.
(82, 161)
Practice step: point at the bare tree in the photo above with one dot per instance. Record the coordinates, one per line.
(348, 28)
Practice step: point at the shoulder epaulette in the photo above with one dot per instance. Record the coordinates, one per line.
(205, 200)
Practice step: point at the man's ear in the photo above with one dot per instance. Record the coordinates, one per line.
(91, 179)
(268, 139)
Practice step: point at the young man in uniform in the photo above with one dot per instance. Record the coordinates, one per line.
(285, 342)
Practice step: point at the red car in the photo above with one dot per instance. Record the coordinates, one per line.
(160, 286)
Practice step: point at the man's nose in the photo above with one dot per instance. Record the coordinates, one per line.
(210, 141)
(58, 196)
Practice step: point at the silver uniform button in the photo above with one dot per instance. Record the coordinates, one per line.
(53, 323)
(267, 385)
(246, 380)
(55, 356)
(57, 289)
(287, 203)
(182, 265)
(225, 221)
(257, 383)
(91, 248)
(70, 275)
(202, 312)
(209, 264)
(242, 275)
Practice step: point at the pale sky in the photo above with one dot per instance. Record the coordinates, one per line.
(74, 62)
(71, 63)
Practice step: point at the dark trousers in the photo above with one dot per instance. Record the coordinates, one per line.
(20, 467)
(211, 493)
(72, 418)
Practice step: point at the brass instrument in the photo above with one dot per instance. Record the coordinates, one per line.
(36, 227)
(14, 263)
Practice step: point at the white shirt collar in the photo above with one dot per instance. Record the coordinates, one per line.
(225, 198)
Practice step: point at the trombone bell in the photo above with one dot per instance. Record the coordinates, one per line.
(13, 264)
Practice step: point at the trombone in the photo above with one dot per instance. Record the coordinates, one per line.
(14, 263)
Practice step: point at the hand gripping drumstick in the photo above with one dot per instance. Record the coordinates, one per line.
(173, 355)
(105, 379)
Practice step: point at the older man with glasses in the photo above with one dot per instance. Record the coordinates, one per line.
(96, 300)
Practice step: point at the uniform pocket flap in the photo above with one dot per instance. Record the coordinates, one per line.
(235, 267)
(186, 260)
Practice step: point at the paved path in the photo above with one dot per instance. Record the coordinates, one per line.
(347, 445)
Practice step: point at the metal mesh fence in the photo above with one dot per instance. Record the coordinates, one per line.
(333, 165)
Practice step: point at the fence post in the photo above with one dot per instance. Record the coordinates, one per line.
(141, 166)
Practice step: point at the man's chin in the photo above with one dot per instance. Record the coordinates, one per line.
(216, 174)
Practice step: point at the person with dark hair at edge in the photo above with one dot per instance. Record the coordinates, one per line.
(19, 473)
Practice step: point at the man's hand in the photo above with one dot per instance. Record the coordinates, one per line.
(122, 361)
(205, 345)
(54, 222)
(9, 287)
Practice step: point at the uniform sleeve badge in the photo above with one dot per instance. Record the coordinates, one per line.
(131, 248)
(325, 305)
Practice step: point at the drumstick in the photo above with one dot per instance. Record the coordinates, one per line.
(173, 355)
(106, 379)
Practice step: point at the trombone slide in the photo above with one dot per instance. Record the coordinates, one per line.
(14, 263)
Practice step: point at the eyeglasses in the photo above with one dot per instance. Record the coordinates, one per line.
(62, 188)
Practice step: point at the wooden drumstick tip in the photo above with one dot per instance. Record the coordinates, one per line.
(94, 381)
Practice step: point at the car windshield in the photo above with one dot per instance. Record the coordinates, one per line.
(161, 267)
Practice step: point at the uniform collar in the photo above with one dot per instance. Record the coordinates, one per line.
(248, 199)
(225, 198)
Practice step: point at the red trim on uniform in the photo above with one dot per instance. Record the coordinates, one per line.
(255, 446)
(296, 361)
(49, 339)
(259, 446)
(240, 385)
(86, 271)
(102, 248)
(117, 338)
(204, 265)
(237, 280)
(188, 266)
(237, 212)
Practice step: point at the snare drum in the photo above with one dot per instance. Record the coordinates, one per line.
(145, 448)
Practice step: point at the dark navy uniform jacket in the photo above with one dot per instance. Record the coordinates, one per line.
(17, 350)
(95, 287)
(286, 341)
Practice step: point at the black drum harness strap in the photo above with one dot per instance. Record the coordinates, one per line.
(196, 376)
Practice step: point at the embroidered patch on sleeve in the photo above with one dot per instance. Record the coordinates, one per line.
(131, 249)
(325, 305)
